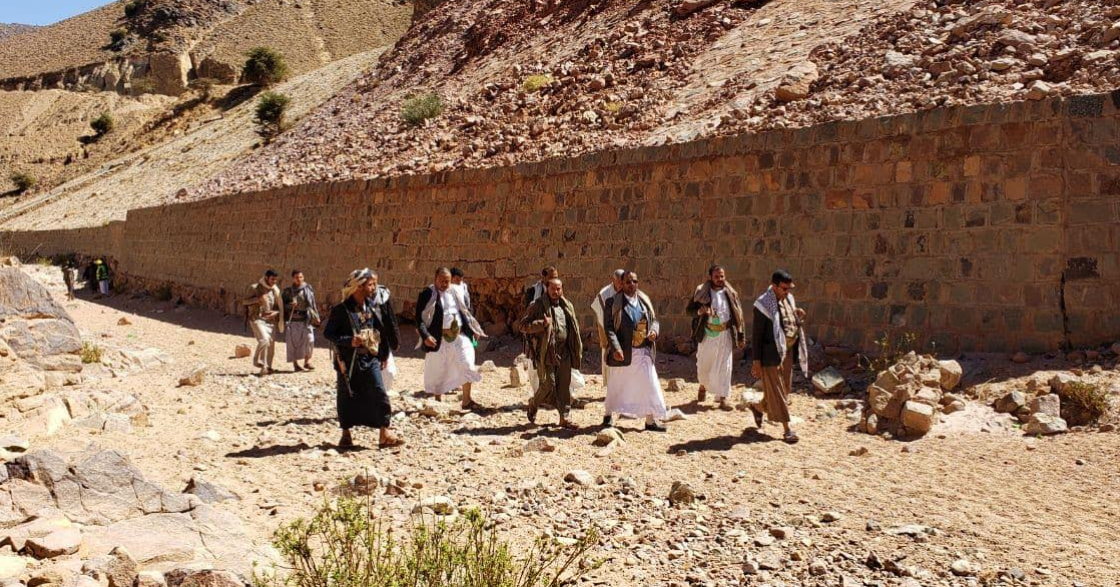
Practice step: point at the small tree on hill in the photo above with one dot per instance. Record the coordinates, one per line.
(264, 67)
(270, 112)
(23, 181)
(102, 125)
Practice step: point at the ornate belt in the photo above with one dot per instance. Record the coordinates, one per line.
(716, 327)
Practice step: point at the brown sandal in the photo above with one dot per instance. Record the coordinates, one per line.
(391, 442)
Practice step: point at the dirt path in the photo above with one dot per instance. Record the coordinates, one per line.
(1046, 507)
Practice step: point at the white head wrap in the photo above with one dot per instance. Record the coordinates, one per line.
(356, 279)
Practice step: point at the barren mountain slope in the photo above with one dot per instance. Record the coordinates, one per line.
(309, 33)
(534, 80)
(8, 30)
(40, 131)
(69, 43)
(154, 175)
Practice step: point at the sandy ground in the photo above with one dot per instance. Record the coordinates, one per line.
(997, 499)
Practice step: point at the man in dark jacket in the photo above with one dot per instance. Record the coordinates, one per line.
(446, 329)
(553, 331)
(776, 337)
(359, 333)
(632, 331)
(717, 329)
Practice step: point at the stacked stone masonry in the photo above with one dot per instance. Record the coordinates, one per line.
(989, 227)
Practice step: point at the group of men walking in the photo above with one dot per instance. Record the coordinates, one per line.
(628, 331)
(364, 333)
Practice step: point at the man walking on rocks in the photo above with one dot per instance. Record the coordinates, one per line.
(632, 331)
(557, 348)
(717, 328)
(597, 307)
(360, 334)
(303, 317)
(393, 331)
(446, 330)
(265, 314)
(777, 337)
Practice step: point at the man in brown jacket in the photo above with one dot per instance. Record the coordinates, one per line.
(554, 338)
(265, 313)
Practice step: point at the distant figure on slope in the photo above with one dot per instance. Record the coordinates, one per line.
(446, 329)
(553, 331)
(360, 333)
(717, 328)
(777, 337)
(303, 317)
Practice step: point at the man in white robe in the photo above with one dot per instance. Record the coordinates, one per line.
(597, 306)
(446, 329)
(717, 328)
(632, 331)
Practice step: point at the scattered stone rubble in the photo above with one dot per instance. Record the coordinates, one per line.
(531, 81)
(907, 398)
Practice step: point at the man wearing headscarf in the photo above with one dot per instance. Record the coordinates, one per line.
(598, 306)
(447, 328)
(381, 300)
(102, 276)
(553, 331)
(776, 337)
(632, 331)
(360, 333)
(717, 328)
(303, 317)
(265, 314)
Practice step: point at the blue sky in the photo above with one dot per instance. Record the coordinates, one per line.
(42, 12)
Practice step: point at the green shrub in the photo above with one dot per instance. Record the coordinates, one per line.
(23, 181)
(420, 108)
(265, 67)
(534, 83)
(271, 108)
(102, 125)
(133, 8)
(343, 545)
(1083, 403)
(118, 38)
(91, 353)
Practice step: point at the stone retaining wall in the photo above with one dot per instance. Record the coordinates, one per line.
(980, 228)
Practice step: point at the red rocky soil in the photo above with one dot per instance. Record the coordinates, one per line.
(528, 81)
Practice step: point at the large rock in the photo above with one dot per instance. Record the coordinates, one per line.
(681, 493)
(194, 377)
(441, 505)
(797, 83)
(12, 565)
(34, 328)
(61, 542)
(169, 72)
(580, 477)
(1049, 404)
(1045, 424)
(918, 418)
(117, 568)
(607, 436)
(1010, 403)
(208, 492)
(951, 373)
(205, 578)
(830, 382)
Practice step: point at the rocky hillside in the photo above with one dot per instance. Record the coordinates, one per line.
(536, 80)
(140, 46)
(152, 75)
(8, 30)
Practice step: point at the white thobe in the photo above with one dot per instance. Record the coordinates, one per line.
(713, 357)
(634, 389)
(453, 364)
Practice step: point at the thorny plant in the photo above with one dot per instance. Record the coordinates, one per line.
(343, 545)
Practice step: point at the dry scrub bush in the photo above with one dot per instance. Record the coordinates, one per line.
(264, 66)
(102, 125)
(24, 181)
(91, 353)
(343, 545)
(271, 108)
(420, 108)
(535, 83)
(1083, 403)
